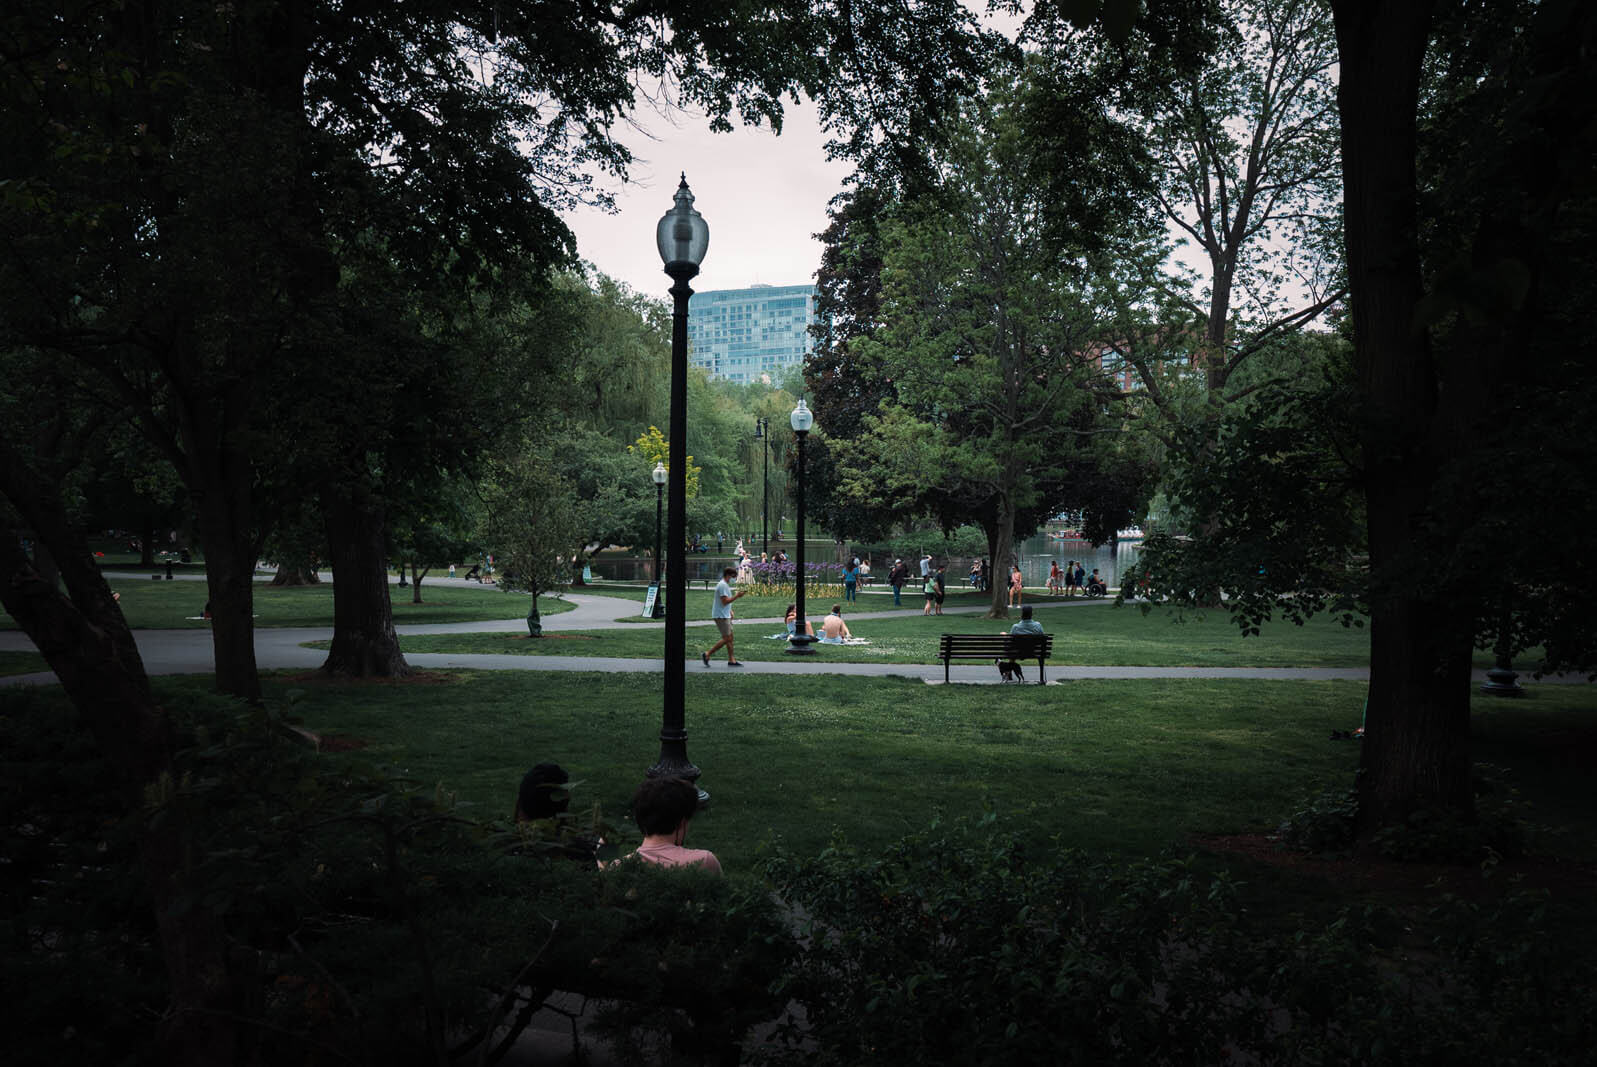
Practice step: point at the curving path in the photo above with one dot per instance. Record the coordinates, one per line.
(189, 651)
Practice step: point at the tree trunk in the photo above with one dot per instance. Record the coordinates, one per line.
(1001, 543)
(1415, 752)
(364, 642)
(229, 539)
(88, 645)
(147, 542)
(415, 582)
(298, 573)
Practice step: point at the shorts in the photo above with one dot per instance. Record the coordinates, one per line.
(725, 626)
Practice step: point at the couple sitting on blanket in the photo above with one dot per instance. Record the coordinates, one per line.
(833, 629)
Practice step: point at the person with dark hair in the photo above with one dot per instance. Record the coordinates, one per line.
(790, 620)
(833, 629)
(662, 808)
(721, 615)
(542, 794)
(1010, 670)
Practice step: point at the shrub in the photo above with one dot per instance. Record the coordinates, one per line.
(368, 919)
(957, 946)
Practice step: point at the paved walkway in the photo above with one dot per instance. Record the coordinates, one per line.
(189, 651)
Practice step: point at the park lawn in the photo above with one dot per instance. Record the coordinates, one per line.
(1087, 634)
(175, 605)
(1125, 766)
(1110, 766)
(21, 663)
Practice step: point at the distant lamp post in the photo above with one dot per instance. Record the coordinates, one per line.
(682, 237)
(659, 477)
(799, 644)
(762, 433)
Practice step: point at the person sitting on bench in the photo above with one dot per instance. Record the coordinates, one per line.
(1010, 670)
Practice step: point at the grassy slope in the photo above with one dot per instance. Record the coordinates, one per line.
(1117, 766)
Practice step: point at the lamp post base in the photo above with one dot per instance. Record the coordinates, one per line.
(672, 766)
(801, 645)
(1502, 681)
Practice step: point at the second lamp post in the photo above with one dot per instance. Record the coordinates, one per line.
(799, 644)
(659, 476)
(762, 433)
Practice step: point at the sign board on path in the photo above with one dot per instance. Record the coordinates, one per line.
(648, 601)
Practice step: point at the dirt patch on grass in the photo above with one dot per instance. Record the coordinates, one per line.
(1369, 873)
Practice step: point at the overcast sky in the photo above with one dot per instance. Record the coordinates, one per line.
(762, 195)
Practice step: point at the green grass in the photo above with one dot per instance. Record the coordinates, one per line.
(1099, 635)
(1127, 767)
(21, 663)
(151, 605)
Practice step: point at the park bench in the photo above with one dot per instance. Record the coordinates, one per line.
(1011, 648)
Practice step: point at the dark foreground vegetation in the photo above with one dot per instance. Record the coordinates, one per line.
(378, 911)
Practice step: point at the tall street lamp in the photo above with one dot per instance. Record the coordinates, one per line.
(682, 237)
(762, 433)
(659, 476)
(799, 644)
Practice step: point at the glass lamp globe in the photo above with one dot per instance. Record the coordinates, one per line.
(682, 236)
(802, 418)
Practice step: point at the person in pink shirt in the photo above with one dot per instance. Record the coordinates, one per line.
(662, 808)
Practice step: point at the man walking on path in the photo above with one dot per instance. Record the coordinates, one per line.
(721, 612)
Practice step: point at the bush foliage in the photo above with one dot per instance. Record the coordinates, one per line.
(960, 946)
(371, 922)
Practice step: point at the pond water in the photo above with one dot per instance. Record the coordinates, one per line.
(1036, 553)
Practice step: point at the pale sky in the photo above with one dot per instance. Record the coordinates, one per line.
(763, 197)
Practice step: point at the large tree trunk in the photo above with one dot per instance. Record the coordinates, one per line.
(1001, 543)
(147, 542)
(86, 641)
(296, 574)
(1416, 744)
(219, 479)
(364, 642)
(230, 544)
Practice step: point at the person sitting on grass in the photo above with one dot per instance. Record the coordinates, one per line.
(791, 621)
(543, 793)
(662, 808)
(546, 829)
(1010, 669)
(833, 628)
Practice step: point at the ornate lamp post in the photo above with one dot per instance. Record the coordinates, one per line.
(801, 420)
(659, 476)
(762, 433)
(682, 238)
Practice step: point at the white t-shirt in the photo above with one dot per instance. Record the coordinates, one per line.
(925, 566)
(721, 609)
